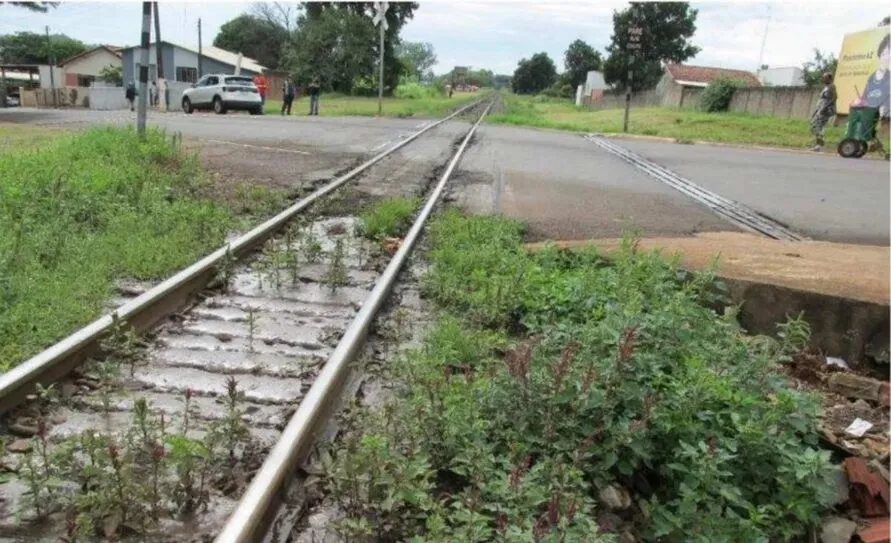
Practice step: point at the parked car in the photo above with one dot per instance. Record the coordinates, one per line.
(221, 93)
(12, 101)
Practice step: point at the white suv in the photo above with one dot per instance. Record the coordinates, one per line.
(221, 93)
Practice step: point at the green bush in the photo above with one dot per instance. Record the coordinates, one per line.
(717, 95)
(416, 91)
(83, 210)
(388, 218)
(622, 376)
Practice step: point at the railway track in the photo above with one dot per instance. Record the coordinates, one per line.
(248, 369)
(734, 212)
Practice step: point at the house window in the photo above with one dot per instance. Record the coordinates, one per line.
(85, 80)
(186, 75)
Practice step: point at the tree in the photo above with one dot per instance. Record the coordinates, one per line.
(501, 81)
(814, 69)
(255, 37)
(579, 59)
(40, 7)
(32, 48)
(418, 57)
(667, 29)
(335, 46)
(398, 14)
(534, 75)
(112, 74)
(885, 22)
(278, 14)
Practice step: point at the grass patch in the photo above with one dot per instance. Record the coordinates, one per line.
(684, 125)
(554, 381)
(338, 105)
(389, 218)
(84, 210)
(22, 136)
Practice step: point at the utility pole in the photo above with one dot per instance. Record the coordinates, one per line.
(161, 87)
(143, 67)
(199, 48)
(764, 40)
(633, 45)
(52, 67)
(380, 20)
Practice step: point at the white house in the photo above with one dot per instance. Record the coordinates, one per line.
(789, 76)
(81, 70)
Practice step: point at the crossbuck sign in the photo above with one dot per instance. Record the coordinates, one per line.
(380, 12)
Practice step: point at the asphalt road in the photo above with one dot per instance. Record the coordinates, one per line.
(567, 187)
(823, 197)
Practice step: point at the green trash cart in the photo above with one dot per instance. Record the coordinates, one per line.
(860, 133)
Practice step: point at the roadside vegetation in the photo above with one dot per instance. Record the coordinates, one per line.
(80, 211)
(388, 218)
(558, 393)
(682, 125)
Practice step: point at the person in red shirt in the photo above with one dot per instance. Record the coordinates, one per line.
(260, 81)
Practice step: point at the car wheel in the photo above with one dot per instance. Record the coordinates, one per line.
(187, 106)
(257, 111)
(218, 106)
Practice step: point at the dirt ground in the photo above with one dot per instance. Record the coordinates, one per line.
(858, 272)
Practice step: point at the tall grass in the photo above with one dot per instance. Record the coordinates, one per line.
(82, 211)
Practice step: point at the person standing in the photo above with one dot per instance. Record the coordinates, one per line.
(262, 85)
(130, 94)
(153, 94)
(314, 96)
(825, 111)
(288, 92)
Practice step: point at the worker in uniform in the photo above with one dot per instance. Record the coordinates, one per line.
(262, 85)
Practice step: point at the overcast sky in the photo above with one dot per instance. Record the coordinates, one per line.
(495, 35)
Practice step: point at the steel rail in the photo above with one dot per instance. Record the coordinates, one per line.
(730, 210)
(168, 296)
(251, 517)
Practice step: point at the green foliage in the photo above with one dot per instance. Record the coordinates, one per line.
(418, 57)
(39, 7)
(332, 41)
(333, 47)
(111, 74)
(623, 376)
(33, 48)
(716, 97)
(667, 29)
(416, 91)
(579, 59)
(255, 37)
(534, 75)
(822, 63)
(83, 210)
(388, 218)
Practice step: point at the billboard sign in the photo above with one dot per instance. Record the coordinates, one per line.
(862, 76)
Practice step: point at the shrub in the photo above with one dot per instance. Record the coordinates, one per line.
(79, 212)
(416, 91)
(388, 218)
(717, 96)
(624, 376)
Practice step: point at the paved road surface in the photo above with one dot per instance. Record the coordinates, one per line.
(823, 197)
(567, 187)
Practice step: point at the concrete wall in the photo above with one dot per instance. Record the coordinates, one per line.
(93, 63)
(65, 97)
(787, 102)
(58, 76)
(112, 98)
(613, 100)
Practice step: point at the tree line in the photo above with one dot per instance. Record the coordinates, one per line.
(666, 38)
